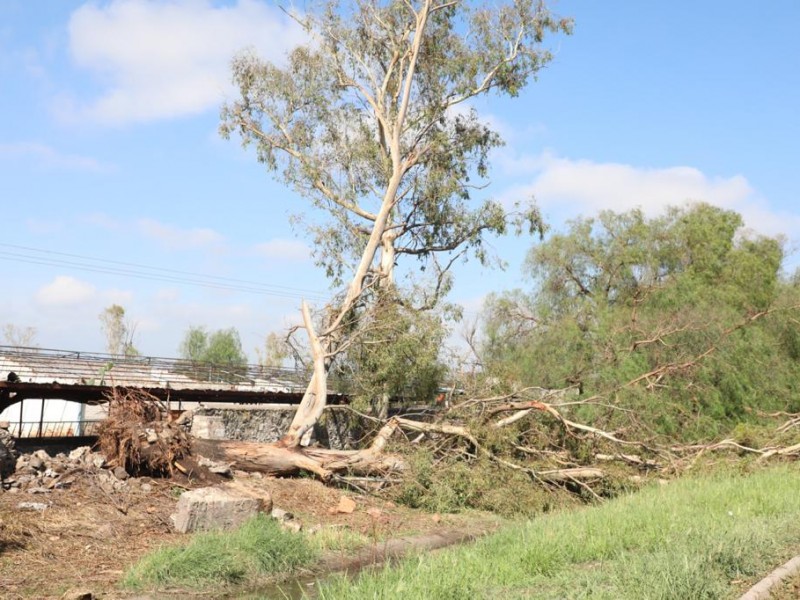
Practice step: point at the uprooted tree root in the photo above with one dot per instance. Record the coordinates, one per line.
(137, 436)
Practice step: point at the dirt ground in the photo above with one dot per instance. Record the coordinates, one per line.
(87, 536)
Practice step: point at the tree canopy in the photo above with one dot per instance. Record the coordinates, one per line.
(221, 348)
(683, 317)
(371, 122)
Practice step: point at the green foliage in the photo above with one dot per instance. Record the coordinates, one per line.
(194, 344)
(394, 353)
(371, 122)
(678, 318)
(451, 485)
(275, 351)
(257, 549)
(368, 116)
(694, 538)
(221, 350)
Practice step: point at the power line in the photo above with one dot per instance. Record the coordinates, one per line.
(127, 269)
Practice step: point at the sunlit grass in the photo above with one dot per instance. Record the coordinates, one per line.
(257, 549)
(692, 539)
(338, 540)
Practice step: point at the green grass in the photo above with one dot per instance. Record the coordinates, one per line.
(339, 540)
(692, 539)
(257, 549)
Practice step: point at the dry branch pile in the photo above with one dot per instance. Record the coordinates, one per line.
(137, 436)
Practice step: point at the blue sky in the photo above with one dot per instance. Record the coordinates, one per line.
(109, 152)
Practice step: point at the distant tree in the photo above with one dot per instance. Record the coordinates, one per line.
(194, 344)
(119, 332)
(221, 349)
(275, 351)
(225, 348)
(14, 335)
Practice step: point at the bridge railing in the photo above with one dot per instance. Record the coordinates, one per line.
(96, 368)
(52, 429)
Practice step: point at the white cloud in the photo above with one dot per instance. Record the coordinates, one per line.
(102, 220)
(571, 187)
(179, 239)
(47, 157)
(283, 249)
(170, 58)
(38, 226)
(65, 291)
(166, 295)
(115, 296)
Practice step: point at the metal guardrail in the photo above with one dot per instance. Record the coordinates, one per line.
(52, 429)
(96, 368)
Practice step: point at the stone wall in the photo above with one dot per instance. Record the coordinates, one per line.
(338, 428)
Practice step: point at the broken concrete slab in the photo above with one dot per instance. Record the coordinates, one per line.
(217, 508)
(208, 427)
(79, 453)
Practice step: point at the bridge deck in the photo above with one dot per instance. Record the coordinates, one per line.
(86, 378)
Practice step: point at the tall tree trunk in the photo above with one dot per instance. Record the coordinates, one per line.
(324, 347)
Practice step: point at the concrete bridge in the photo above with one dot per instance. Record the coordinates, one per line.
(86, 378)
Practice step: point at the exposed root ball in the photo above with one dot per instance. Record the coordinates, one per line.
(137, 436)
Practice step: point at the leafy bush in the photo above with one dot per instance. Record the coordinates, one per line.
(452, 485)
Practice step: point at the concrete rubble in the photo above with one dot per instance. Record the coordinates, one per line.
(40, 473)
(8, 451)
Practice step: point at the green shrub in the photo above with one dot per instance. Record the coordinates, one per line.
(453, 485)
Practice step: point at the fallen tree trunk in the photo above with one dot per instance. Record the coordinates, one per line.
(279, 460)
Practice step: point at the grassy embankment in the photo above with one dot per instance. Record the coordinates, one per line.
(692, 539)
(256, 550)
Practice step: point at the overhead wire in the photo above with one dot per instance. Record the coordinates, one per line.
(39, 256)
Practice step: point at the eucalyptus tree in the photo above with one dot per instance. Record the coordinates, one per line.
(372, 122)
(118, 331)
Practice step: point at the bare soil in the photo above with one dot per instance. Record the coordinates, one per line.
(87, 535)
